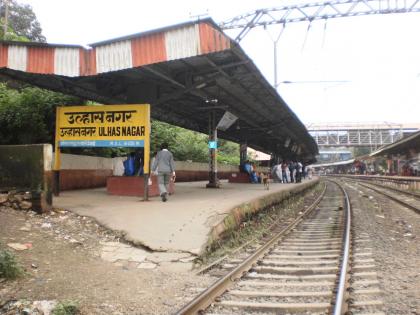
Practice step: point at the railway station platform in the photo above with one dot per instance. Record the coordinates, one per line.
(191, 219)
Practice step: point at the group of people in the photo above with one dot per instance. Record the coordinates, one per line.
(250, 169)
(133, 165)
(164, 167)
(290, 172)
(285, 172)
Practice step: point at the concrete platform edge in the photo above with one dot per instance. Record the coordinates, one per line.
(237, 214)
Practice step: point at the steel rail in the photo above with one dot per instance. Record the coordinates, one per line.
(219, 260)
(403, 203)
(342, 284)
(204, 299)
(408, 193)
(373, 180)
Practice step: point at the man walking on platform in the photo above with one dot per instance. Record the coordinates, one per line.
(164, 167)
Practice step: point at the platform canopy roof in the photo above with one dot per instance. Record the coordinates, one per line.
(402, 146)
(184, 71)
(346, 162)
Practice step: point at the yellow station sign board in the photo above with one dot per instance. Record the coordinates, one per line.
(104, 126)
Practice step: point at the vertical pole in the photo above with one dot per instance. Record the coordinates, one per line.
(57, 155)
(146, 156)
(275, 42)
(243, 153)
(146, 187)
(6, 18)
(146, 169)
(276, 83)
(213, 180)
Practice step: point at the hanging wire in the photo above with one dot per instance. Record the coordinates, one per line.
(306, 36)
(324, 35)
(272, 37)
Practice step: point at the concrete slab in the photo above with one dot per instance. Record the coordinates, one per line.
(184, 223)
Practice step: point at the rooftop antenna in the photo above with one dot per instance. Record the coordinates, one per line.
(199, 16)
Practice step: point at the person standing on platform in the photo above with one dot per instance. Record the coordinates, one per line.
(284, 167)
(279, 173)
(286, 172)
(164, 167)
(309, 172)
(299, 170)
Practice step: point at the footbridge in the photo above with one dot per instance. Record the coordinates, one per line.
(369, 134)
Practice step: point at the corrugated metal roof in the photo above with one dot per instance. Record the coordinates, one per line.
(87, 60)
(346, 162)
(40, 60)
(182, 42)
(157, 30)
(37, 44)
(170, 43)
(212, 39)
(180, 71)
(17, 57)
(405, 144)
(114, 56)
(148, 49)
(67, 61)
(4, 54)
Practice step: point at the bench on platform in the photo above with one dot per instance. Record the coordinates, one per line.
(133, 186)
(239, 178)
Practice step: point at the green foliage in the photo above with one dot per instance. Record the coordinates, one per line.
(9, 267)
(162, 133)
(184, 144)
(66, 308)
(190, 145)
(12, 36)
(22, 21)
(28, 116)
(228, 152)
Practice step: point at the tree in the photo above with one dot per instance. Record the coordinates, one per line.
(228, 152)
(22, 22)
(28, 115)
(190, 145)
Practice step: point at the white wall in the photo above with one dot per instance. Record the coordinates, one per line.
(82, 162)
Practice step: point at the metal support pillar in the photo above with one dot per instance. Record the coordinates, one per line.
(6, 19)
(276, 80)
(213, 180)
(243, 154)
(275, 56)
(146, 187)
(56, 183)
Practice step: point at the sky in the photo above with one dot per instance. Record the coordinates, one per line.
(373, 61)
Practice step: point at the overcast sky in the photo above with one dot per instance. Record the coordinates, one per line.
(378, 57)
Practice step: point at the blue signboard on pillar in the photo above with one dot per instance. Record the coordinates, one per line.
(212, 144)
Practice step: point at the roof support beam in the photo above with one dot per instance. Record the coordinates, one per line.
(163, 76)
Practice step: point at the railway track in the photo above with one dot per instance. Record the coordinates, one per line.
(304, 269)
(408, 199)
